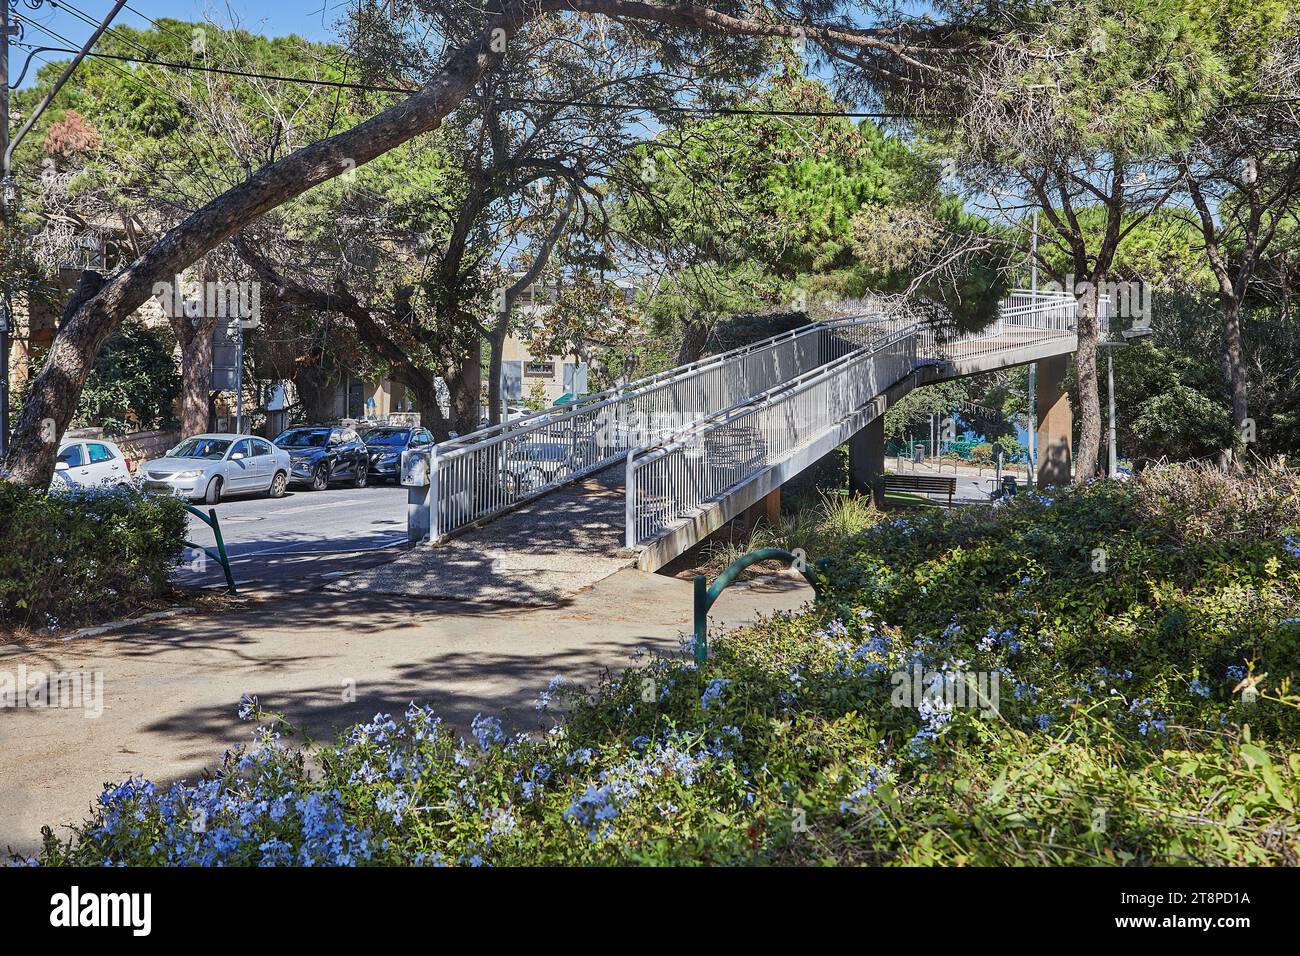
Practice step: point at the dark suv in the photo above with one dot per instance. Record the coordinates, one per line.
(320, 454)
(385, 444)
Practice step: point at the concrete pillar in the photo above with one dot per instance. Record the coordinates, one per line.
(867, 461)
(417, 513)
(766, 511)
(1055, 423)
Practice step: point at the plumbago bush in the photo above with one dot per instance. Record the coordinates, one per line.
(73, 556)
(1143, 636)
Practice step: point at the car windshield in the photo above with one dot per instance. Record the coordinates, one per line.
(384, 436)
(304, 438)
(213, 449)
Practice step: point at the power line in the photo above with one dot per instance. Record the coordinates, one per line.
(530, 101)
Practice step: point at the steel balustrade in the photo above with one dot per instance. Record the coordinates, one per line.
(480, 475)
(702, 463)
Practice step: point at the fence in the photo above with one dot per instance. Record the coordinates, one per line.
(480, 475)
(702, 464)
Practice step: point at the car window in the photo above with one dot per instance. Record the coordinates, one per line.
(72, 456)
(349, 435)
(422, 437)
(213, 449)
(303, 438)
(244, 448)
(99, 453)
(260, 447)
(336, 436)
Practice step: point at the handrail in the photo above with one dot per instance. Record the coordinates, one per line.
(634, 388)
(707, 595)
(782, 391)
(476, 477)
(210, 519)
(665, 481)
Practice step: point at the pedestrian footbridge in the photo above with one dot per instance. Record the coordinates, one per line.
(648, 469)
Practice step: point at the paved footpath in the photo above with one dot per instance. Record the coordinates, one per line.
(171, 688)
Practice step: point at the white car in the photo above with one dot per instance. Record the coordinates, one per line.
(207, 467)
(90, 463)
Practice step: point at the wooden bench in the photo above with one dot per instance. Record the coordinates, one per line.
(925, 484)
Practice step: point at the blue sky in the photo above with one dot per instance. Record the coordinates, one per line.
(312, 19)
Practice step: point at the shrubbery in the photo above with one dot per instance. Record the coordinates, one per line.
(1125, 622)
(70, 557)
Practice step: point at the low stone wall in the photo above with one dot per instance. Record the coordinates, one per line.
(142, 446)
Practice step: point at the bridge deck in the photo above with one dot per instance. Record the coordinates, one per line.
(538, 555)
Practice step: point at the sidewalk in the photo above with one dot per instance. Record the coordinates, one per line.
(171, 688)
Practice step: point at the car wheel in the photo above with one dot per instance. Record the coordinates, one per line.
(320, 479)
(213, 495)
(278, 484)
(362, 476)
(535, 478)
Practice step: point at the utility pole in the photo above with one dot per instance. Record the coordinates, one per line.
(1113, 470)
(1031, 432)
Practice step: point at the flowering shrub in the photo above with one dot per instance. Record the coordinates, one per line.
(1134, 723)
(75, 556)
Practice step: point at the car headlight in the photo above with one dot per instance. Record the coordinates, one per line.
(185, 475)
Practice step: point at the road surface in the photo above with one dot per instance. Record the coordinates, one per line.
(302, 538)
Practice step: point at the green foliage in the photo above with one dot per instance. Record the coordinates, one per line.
(1120, 733)
(134, 382)
(1173, 405)
(84, 556)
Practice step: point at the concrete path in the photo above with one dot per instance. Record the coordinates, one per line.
(536, 556)
(171, 688)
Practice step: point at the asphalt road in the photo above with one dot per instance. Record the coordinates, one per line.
(301, 538)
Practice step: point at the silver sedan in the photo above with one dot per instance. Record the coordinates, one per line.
(208, 467)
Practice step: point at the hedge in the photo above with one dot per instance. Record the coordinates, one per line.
(72, 557)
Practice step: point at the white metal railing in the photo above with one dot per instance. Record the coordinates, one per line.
(702, 463)
(480, 475)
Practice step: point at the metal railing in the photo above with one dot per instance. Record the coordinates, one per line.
(480, 475)
(702, 463)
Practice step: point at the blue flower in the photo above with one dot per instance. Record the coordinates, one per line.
(486, 730)
(713, 692)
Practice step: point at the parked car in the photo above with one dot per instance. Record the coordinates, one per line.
(325, 453)
(536, 464)
(208, 467)
(90, 463)
(385, 444)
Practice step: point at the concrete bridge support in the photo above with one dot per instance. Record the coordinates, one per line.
(767, 510)
(867, 461)
(1055, 422)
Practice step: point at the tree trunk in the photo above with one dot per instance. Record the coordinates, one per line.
(695, 336)
(316, 389)
(92, 316)
(1085, 365)
(1234, 374)
(466, 387)
(193, 328)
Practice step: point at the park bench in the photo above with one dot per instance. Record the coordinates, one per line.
(924, 484)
